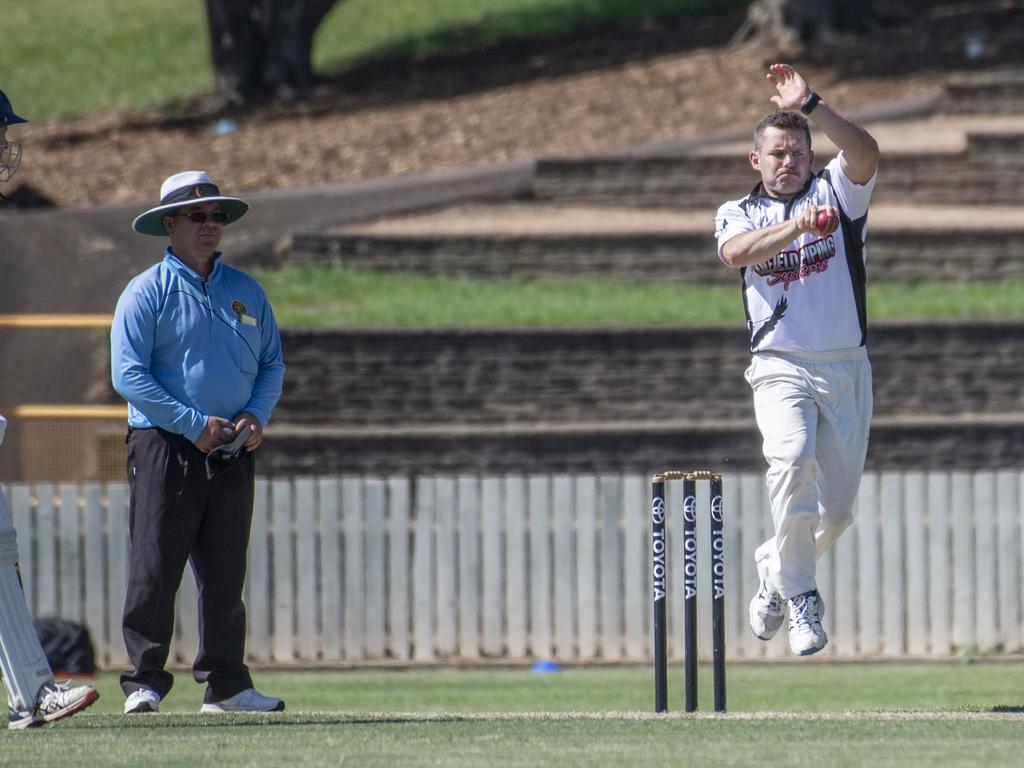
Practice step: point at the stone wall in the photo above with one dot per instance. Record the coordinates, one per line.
(947, 394)
(987, 172)
(514, 376)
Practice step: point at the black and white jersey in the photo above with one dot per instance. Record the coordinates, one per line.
(809, 297)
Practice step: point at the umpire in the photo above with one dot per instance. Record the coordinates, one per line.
(195, 351)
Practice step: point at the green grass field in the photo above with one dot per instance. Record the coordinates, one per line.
(790, 714)
(61, 58)
(313, 296)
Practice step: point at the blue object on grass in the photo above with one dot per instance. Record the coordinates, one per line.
(545, 666)
(224, 127)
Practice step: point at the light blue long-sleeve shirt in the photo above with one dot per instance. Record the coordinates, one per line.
(183, 348)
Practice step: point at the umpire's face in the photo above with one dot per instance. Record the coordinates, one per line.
(195, 231)
(784, 161)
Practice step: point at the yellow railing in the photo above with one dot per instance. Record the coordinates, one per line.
(58, 442)
(55, 321)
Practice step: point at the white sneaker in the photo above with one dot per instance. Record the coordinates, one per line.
(56, 701)
(806, 635)
(142, 700)
(249, 700)
(767, 612)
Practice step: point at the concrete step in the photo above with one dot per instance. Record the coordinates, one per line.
(987, 171)
(906, 243)
(995, 92)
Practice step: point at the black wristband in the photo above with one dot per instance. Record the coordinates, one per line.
(809, 103)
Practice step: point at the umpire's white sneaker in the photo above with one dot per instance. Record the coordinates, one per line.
(142, 700)
(249, 700)
(806, 635)
(767, 612)
(56, 701)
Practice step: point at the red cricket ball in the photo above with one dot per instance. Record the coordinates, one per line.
(825, 221)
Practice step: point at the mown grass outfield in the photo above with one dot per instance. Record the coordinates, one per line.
(322, 296)
(803, 713)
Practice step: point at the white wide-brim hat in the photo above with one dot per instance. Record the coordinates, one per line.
(183, 189)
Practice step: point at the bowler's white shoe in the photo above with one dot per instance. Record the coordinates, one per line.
(767, 612)
(142, 700)
(806, 635)
(56, 701)
(249, 700)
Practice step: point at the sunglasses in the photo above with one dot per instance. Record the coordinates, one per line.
(201, 217)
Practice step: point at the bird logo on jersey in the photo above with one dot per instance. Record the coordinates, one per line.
(770, 323)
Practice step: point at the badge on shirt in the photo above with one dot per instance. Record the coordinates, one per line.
(239, 308)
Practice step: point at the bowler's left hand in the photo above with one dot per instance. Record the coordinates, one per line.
(792, 88)
(241, 421)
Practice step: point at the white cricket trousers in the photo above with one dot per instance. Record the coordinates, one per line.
(814, 413)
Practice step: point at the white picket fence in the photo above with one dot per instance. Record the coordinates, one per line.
(351, 569)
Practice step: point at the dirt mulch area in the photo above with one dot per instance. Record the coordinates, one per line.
(604, 89)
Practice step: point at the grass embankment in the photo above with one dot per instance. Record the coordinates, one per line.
(61, 58)
(314, 296)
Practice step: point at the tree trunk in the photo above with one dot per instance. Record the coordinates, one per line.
(262, 49)
(794, 25)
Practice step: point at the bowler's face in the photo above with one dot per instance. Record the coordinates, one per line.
(784, 160)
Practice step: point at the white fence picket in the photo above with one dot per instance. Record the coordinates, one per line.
(328, 502)
(354, 628)
(736, 588)
(539, 501)
(1008, 538)
(842, 612)
(748, 496)
(869, 591)
(635, 566)
(491, 565)
(423, 571)
(93, 533)
(69, 562)
(940, 561)
(564, 557)
(46, 552)
(961, 497)
(447, 567)
(398, 567)
(375, 499)
(345, 569)
(586, 566)
(986, 605)
(610, 585)
(890, 505)
(469, 567)
(282, 571)
(257, 577)
(916, 548)
(515, 567)
(305, 573)
(116, 560)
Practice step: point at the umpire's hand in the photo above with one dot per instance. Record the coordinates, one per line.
(217, 432)
(245, 419)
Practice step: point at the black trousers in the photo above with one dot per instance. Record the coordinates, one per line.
(176, 516)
